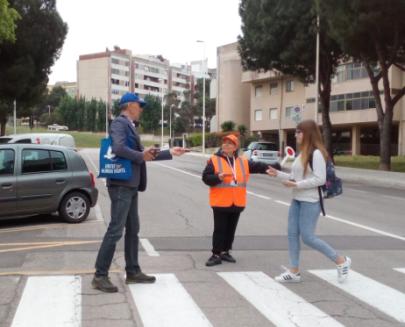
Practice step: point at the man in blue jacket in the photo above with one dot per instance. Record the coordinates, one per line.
(124, 195)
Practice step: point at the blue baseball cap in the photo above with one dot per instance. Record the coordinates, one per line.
(132, 97)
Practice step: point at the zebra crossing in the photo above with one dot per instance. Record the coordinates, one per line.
(57, 300)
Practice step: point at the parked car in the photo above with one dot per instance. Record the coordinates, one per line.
(43, 179)
(41, 138)
(267, 152)
(56, 127)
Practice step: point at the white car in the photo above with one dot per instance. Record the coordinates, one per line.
(65, 140)
(56, 127)
(263, 151)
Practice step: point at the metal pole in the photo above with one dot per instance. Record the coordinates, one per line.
(161, 141)
(108, 97)
(170, 124)
(15, 116)
(317, 70)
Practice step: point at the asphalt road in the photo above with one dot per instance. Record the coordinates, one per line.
(46, 263)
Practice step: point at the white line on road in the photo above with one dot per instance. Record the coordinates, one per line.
(282, 202)
(259, 195)
(167, 303)
(50, 301)
(276, 302)
(401, 270)
(343, 221)
(99, 214)
(91, 162)
(148, 247)
(380, 296)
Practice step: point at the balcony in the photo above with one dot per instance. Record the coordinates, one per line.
(250, 76)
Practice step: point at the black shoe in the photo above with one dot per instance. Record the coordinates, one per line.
(226, 256)
(213, 260)
(139, 278)
(103, 284)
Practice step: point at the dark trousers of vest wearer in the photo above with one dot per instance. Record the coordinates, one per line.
(224, 230)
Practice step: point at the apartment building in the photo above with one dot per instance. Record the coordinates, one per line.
(110, 74)
(276, 99)
(151, 75)
(69, 87)
(104, 76)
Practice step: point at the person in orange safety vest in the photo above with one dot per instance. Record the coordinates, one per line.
(227, 174)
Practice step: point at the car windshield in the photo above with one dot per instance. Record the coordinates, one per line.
(266, 146)
(4, 140)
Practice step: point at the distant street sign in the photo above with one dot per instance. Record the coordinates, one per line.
(296, 114)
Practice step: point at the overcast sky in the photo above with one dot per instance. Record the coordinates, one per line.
(167, 27)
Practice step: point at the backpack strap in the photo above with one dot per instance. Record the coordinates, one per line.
(310, 161)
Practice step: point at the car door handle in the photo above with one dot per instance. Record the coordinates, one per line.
(6, 186)
(60, 181)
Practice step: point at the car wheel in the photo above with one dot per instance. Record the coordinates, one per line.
(74, 208)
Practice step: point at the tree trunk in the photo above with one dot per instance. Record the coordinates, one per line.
(326, 122)
(3, 122)
(385, 129)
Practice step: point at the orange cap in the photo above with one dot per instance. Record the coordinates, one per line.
(234, 139)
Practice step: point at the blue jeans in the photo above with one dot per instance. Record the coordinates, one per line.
(124, 213)
(302, 219)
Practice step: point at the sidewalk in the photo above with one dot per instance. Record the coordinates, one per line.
(356, 175)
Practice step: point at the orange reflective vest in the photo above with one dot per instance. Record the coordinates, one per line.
(228, 192)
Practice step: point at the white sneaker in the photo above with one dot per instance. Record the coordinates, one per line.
(288, 277)
(343, 270)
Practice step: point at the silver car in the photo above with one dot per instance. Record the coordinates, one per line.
(266, 152)
(42, 179)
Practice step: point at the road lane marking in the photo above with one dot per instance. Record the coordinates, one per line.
(91, 162)
(259, 195)
(55, 272)
(99, 214)
(282, 202)
(48, 226)
(46, 246)
(167, 303)
(380, 296)
(276, 302)
(401, 270)
(50, 301)
(371, 229)
(343, 221)
(148, 247)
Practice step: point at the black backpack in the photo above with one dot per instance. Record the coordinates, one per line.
(333, 185)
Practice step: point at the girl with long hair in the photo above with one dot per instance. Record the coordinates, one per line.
(303, 215)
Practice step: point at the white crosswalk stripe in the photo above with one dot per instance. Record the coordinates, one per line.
(380, 296)
(276, 302)
(50, 301)
(166, 303)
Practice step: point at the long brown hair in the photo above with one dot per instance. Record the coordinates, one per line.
(311, 141)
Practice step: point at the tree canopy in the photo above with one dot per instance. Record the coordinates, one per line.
(8, 19)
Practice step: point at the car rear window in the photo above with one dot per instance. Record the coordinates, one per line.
(4, 140)
(39, 161)
(266, 146)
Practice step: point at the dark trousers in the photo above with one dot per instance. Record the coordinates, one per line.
(124, 213)
(224, 230)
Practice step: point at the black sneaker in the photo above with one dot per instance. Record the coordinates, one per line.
(226, 256)
(103, 283)
(213, 260)
(139, 278)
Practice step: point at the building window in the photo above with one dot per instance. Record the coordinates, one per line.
(351, 71)
(273, 88)
(258, 91)
(273, 113)
(288, 111)
(352, 101)
(258, 115)
(290, 86)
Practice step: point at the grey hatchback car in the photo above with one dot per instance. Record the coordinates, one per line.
(43, 179)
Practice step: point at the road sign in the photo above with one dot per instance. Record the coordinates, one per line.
(296, 114)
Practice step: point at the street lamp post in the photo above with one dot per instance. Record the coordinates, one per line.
(203, 108)
(161, 140)
(170, 124)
